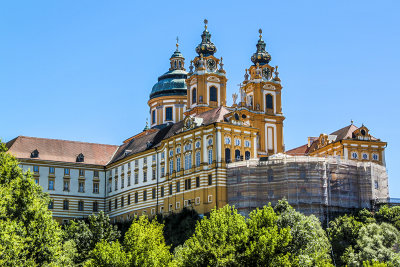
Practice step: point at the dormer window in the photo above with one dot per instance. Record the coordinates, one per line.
(35, 154)
(80, 158)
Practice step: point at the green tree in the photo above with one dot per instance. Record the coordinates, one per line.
(218, 241)
(108, 254)
(29, 235)
(145, 245)
(343, 233)
(178, 227)
(389, 215)
(374, 243)
(268, 245)
(86, 234)
(309, 245)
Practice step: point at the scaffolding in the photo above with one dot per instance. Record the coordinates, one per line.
(312, 185)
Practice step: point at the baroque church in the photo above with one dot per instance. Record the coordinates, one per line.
(200, 153)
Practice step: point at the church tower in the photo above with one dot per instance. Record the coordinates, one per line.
(168, 97)
(261, 94)
(207, 83)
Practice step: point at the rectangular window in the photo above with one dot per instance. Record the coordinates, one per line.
(96, 188)
(66, 171)
(162, 191)
(178, 164)
(36, 181)
(109, 205)
(144, 195)
(51, 204)
(153, 176)
(81, 172)
(210, 156)
(109, 185)
(153, 193)
(162, 155)
(209, 179)
(116, 203)
(198, 159)
(81, 187)
(51, 184)
(36, 169)
(129, 199)
(80, 205)
(136, 197)
(116, 184)
(65, 205)
(66, 185)
(129, 180)
(170, 207)
(145, 161)
(197, 181)
(136, 178)
(145, 176)
(129, 165)
(171, 166)
(122, 182)
(178, 186)
(153, 117)
(96, 174)
(153, 158)
(197, 201)
(95, 206)
(136, 163)
(122, 201)
(162, 171)
(170, 189)
(178, 205)
(168, 114)
(188, 184)
(51, 170)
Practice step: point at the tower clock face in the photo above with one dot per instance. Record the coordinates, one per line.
(266, 73)
(211, 64)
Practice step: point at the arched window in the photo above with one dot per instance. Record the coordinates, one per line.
(237, 155)
(269, 102)
(213, 93)
(153, 117)
(227, 155)
(175, 64)
(194, 96)
(247, 155)
(180, 64)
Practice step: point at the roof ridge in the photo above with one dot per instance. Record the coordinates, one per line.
(55, 139)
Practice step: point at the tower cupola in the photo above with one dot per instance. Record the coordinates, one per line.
(177, 59)
(261, 56)
(206, 47)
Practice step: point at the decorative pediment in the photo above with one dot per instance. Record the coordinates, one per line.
(213, 79)
(191, 122)
(269, 86)
(362, 133)
(193, 81)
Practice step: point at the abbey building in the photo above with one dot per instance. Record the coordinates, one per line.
(198, 152)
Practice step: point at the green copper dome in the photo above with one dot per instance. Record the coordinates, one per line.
(206, 47)
(173, 81)
(170, 83)
(261, 56)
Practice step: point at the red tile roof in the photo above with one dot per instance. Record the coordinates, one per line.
(61, 150)
(298, 151)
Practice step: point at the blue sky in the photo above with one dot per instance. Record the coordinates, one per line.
(83, 70)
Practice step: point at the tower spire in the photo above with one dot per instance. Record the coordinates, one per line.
(206, 47)
(261, 56)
